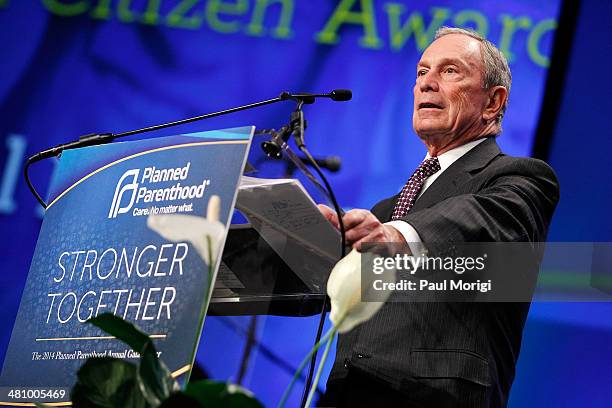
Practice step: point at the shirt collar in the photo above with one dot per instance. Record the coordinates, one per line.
(449, 157)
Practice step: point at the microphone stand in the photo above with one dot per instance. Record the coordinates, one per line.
(93, 139)
(297, 126)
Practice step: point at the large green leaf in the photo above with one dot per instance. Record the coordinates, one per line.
(121, 329)
(213, 394)
(106, 382)
(180, 400)
(154, 378)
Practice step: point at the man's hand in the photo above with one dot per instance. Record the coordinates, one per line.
(362, 226)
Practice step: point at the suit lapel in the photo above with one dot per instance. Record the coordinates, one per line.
(459, 173)
(384, 209)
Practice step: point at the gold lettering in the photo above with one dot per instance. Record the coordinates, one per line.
(178, 16)
(216, 7)
(413, 25)
(283, 28)
(343, 15)
(481, 25)
(102, 10)
(151, 14)
(70, 9)
(533, 41)
(510, 26)
(123, 11)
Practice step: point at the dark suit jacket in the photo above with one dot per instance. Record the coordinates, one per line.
(457, 354)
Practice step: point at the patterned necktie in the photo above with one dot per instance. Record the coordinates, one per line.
(413, 187)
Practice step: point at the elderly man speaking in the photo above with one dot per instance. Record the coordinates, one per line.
(466, 189)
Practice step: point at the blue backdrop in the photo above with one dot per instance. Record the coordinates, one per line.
(567, 348)
(75, 66)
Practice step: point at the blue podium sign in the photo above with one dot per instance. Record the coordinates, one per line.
(97, 252)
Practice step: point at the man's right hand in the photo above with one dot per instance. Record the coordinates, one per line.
(329, 214)
(362, 226)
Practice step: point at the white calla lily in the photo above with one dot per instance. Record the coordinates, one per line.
(344, 291)
(193, 229)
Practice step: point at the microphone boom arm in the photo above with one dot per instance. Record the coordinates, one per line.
(93, 139)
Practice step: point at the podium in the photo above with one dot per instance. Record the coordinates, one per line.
(97, 252)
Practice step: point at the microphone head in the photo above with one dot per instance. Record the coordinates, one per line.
(333, 163)
(341, 95)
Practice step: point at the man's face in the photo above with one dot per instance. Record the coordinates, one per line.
(449, 99)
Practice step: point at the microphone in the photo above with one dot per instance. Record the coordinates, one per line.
(341, 95)
(331, 163)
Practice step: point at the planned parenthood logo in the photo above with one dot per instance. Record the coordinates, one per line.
(140, 191)
(121, 190)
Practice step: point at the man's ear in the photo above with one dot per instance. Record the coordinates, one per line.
(498, 95)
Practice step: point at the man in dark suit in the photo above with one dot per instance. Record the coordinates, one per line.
(466, 190)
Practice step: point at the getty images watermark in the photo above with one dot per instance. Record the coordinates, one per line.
(487, 272)
(411, 264)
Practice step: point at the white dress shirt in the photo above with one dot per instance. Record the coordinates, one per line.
(446, 159)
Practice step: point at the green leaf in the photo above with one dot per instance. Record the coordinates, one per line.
(129, 395)
(180, 400)
(154, 378)
(214, 394)
(121, 329)
(105, 382)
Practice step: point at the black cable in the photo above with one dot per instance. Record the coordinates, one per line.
(29, 183)
(248, 348)
(313, 359)
(300, 142)
(331, 196)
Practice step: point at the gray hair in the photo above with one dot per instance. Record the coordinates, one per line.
(496, 69)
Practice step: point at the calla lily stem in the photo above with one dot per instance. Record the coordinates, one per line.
(327, 337)
(300, 368)
(321, 365)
